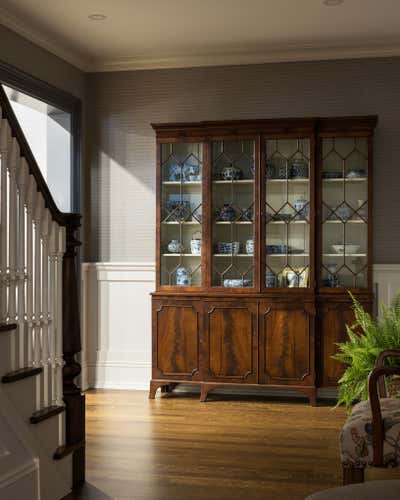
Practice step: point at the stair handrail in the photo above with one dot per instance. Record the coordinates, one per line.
(63, 218)
(71, 336)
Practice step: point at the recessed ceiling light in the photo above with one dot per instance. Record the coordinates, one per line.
(332, 3)
(97, 17)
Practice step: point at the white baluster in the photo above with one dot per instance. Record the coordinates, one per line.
(52, 309)
(37, 294)
(46, 218)
(5, 135)
(12, 248)
(58, 318)
(30, 205)
(22, 179)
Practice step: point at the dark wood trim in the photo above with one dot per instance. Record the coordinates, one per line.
(370, 191)
(285, 126)
(39, 89)
(73, 398)
(158, 215)
(375, 381)
(352, 475)
(8, 327)
(379, 433)
(45, 413)
(206, 220)
(380, 360)
(26, 152)
(257, 215)
(63, 451)
(10, 377)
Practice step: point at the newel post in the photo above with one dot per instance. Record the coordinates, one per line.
(73, 397)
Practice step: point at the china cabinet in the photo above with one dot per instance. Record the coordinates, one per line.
(263, 227)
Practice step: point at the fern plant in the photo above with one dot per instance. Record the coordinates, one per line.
(367, 338)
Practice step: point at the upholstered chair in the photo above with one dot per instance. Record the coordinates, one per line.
(371, 434)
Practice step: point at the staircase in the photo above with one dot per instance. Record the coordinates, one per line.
(39, 327)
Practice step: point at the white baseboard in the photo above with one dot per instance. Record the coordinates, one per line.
(116, 321)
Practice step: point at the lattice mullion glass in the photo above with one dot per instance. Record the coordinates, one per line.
(233, 213)
(345, 212)
(181, 214)
(287, 208)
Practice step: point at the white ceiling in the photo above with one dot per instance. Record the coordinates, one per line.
(141, 34)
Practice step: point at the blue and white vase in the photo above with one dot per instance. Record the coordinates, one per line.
(270, 279)
(195, 243)
(182, 276)
(175, 246)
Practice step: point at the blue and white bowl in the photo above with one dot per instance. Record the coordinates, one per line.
(237, 283)
(229, 247)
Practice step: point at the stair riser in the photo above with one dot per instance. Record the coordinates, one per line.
(22, 394)
(5, 350)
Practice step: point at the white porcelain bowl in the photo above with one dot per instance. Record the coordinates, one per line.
(347, 249)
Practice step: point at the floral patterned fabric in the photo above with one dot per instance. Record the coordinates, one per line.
(356, 446)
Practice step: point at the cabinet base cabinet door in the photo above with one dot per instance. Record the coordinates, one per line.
(230, 342)
(176, 336)
(332, 321)
(287, 344)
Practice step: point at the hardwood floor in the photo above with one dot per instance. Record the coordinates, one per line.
(176, 448)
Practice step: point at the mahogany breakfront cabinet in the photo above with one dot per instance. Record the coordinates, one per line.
(262, 229)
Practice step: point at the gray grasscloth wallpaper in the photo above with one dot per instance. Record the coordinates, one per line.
(122, 148)
(40, 63)
(25, 55)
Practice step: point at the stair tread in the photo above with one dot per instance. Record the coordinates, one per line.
(7, 327)
(45, 413)
(20, 374)
(65, 450)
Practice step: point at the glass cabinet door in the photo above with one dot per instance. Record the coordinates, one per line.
(287, 213)
(344, 212)
(181, 214)
(233, 195)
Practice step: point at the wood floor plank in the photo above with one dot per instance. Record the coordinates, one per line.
(174, 448)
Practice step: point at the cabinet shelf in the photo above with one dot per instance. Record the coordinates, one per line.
(346, 179)
(233, 255)
(185, 223)
(181, 255)
(239, 181)
(282, 222)
(178, 183)
(357, 221)
(220, 222)
(290, 181)
(344, 255)
(288, 254)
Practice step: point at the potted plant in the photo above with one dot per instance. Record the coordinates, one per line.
(367, 338)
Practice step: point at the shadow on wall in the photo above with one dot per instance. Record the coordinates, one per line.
(124, 104)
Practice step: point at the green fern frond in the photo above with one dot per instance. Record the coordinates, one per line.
(366, 339)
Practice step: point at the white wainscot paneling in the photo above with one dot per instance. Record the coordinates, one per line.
(116, 320)
(387, 282)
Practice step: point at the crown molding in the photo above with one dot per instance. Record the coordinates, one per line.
(46, 42)
(293, 53)
(259, 55)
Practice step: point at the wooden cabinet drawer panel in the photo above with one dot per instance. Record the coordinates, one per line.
(230, 348)
(286, 344)
(176, 340)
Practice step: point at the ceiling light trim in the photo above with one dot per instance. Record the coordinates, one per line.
(295, 54)
(46, 42)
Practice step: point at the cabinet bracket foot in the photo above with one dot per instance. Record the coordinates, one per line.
(155, 385)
